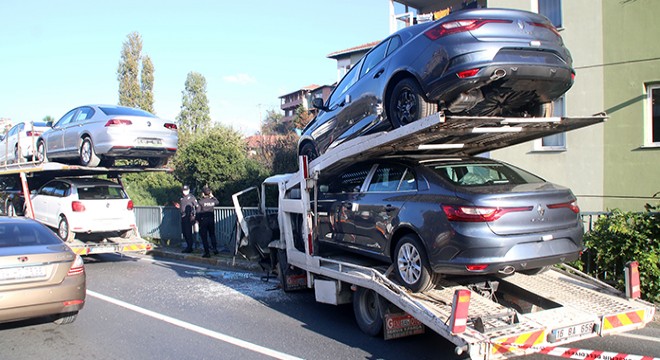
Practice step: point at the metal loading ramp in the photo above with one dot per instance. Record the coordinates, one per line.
(450, 135)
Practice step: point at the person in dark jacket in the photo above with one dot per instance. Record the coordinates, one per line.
(205, 216)
(188, 207)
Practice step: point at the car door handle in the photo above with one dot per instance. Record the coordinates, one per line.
(379, 73)
(389, 208)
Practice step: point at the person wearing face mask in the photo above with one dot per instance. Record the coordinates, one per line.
(205, 213)
(188, 207)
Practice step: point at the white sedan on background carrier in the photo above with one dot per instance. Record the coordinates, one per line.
(97, 135)
(20, 141)
(84, 205)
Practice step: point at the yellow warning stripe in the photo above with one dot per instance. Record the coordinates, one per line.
(623, 319)
(519, 342)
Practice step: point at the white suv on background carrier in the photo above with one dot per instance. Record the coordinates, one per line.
(84, 205)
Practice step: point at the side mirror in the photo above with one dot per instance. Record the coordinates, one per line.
(318, 104)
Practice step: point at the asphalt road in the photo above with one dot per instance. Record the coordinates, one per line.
(140, 308)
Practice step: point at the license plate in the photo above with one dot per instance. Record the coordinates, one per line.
(23, 273)
(573, 331)
(149, 141)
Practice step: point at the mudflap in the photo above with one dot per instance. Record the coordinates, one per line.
(291, 278)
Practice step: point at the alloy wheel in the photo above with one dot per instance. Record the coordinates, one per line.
(409, 263)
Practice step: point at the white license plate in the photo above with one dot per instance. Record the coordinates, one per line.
(573, 331)
(22, 273)
(149, 142)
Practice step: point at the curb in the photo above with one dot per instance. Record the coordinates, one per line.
(220, 260)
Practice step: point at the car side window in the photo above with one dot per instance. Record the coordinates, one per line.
(350, 181)
(65, 119)
(395, 42)
(349, 79)
(84, 114)
(61, 189)
(408, 183)
(387, 178)
(373, 58)
(48, 189)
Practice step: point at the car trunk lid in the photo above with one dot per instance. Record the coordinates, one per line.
(27, 266)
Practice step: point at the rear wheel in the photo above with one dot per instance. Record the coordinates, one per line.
(17, 157)
(157, 162)
(368, 311)
(88, 156)
(406, 103)
(67, 318)
(64, 231)
(412, 265)
(41, 151)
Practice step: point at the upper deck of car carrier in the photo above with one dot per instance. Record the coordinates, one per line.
(507, 316)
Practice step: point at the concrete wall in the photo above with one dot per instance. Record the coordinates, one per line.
(580, 167)
(632, 60)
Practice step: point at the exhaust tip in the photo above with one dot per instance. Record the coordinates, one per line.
(507, 270)
(498, 74)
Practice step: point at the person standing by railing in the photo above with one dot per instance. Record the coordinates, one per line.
(188, 207)
(206, 219)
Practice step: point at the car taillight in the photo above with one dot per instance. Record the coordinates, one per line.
(467, 73)
(77, 268)
(476, 267)
(118, 122)
(77, 206)
(129, 206)
(546, 26)
(478, 213)
(453, 27)
(171, 126)
(572, 205)
(32, 133)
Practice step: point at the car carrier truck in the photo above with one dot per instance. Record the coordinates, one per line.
(485, 317)
(19, 179)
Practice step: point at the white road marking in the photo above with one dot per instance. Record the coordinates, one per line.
(198, 329)
(640, 337)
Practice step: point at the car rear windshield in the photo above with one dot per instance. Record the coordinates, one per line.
(26, 234)
(111, 111)
(101, 192)
(480, 174)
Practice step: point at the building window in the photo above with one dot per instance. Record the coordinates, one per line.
(556, 142)
(552, 10)
(652, 126)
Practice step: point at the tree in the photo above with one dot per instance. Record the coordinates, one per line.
(135, 87)
(152, 188)
(194, 117)
(302, 117)
(217, 158)
(48, 118)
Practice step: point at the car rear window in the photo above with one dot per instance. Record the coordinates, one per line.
(480, 174)
(101, 192)
(110, 111)
(26, 234)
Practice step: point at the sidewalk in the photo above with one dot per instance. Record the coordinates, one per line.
(223, 259)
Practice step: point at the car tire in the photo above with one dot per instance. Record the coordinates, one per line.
(66, 318)
(309, 150)
(157, 162)
(412, 265)
(88, 156)
(127, 234)
(406, 103)
(16, 156)
(64, 230)
(41, 151)
(536, 271)
(368, 311)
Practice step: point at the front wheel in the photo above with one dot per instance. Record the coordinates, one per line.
(309, 150)
(412, 265)
(406, 103)
(368, 311)
(64, 230)
(88, 156)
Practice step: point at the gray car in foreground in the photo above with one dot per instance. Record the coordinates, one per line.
(97, 135)
(449, 216)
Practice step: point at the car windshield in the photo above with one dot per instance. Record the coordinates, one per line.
(476, 174)
(111, 111)
(26, 234)
(101, 193)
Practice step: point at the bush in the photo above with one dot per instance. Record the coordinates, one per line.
(621, 237)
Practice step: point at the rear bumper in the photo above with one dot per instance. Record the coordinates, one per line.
(42, 301)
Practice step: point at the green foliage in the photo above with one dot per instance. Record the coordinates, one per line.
(48, 118)
(621, 237)
(152, 188)
(217, 158)
(135, 87)
(194, 117)
(277, 145)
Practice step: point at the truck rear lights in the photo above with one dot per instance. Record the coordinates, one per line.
(476, 267)
(77, 268)
(459, 311)
(77, 206)
(467, 73)
(118, 122)
(171, 126)
(478, 213)
(129, 206)
(458, 26)
(572, 205)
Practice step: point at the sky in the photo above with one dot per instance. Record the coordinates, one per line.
(57, 55)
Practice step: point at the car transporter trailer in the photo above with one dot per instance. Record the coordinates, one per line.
(485, 317)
